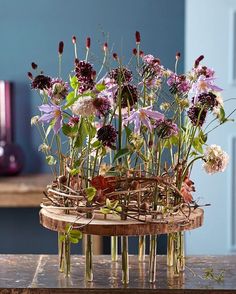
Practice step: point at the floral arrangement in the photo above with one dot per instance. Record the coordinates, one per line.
(123, 140)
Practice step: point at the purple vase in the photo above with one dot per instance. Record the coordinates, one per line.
(11, 155)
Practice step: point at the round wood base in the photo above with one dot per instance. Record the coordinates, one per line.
(56, 220)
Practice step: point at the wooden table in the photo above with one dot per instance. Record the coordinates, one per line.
(23, 191)
(38, 274)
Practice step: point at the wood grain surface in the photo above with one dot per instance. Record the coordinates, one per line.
(56, 220)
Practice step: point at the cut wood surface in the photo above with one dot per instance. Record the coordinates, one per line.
(56, 220)
(23, 191)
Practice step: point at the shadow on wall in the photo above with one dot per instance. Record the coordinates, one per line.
(22, 112)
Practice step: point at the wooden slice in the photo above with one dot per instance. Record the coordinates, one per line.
(57, 220)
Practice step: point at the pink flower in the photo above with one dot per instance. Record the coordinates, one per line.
(51, 112)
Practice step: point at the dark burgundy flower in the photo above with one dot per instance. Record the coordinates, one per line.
(73, 121)
(198, 60)
(107, 135)
(85, 75)
(208, 100)
(121, 75)
(197, 115)
(41, 82)
(129, 96)
(102, 104)
(88, 42)
(166, 128)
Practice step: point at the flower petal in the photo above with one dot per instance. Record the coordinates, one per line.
(46, 108)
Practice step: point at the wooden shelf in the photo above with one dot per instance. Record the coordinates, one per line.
(23, 191)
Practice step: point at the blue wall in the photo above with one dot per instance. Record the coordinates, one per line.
(30, 31)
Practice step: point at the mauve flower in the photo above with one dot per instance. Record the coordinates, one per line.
(208, 100)
(107, 135)
(203, 70)
(52, 112)
(178, 83)
(143, 116)
(204, 85)
(84, 106)
(102, 105)
(216, 160)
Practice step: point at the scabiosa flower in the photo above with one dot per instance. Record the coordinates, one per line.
(216, 160)
(143, 116)
(121, 75)
(178, 84)
(129, 96)
(107, 135)
(102, 105)
(58, 90)
(208, 100)
(84, 106)
(41, 82)
(166, 128)
(85, 75)
(51, 112)
(197, 115)
(205, 71)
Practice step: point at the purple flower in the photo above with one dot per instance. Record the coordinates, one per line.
(102, 105)
(204, 85)
(143, 116)
(41, 82)
(178, 83)
(107, 135)
(85, 74)
(52, 112)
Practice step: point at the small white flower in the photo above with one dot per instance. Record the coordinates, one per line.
(83, 106)
(44, 148)
(216, 160)
(34, 120)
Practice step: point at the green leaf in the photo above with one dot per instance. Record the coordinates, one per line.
(74, 82)
(128, 132)
(202, 137)
(197, 145)
(62, 238)
(90, 192)
(71, 98)
(70, 131)
(50, 127)
(76, 234)
(74, 240)
(96, 144)
(74, 172)
(118, 209)
(82, 134)
(100, 87)
(121, 153)
(105, 210)
(51, 160)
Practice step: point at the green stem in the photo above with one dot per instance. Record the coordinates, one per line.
(114, 248)
(152, 259)
(89, 259)
(125, 260)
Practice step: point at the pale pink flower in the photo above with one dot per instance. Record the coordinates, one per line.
(216, 160)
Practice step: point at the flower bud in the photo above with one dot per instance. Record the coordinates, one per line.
(177, 56)
(34, 65)
(105, 46)
(60, 47)
(135, 51)
(88, 42)
(141, 53)
(30, 76)
(115, 56)
(74, 39)
(137, 37)
(76, 61)
(198, 60)
(34, 120)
